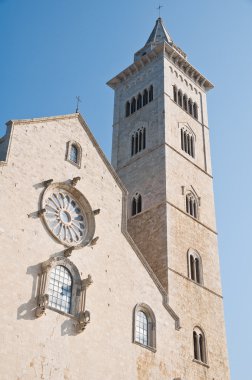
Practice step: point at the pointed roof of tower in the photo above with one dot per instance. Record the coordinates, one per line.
(160, 42)
(159, 34)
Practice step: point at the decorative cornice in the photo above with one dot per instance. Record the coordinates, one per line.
(175, 56)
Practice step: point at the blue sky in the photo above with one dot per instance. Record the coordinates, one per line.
(54, 50)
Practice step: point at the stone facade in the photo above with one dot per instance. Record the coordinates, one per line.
(126, 262)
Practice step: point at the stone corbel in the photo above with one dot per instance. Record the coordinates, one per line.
(47, 182)
(94, 241)
(75, 180)
(40, 212)
(42, 298)
(84, 315)
(97, 211)
(68, 251)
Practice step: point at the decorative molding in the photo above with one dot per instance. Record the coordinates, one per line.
(79, 290)
(55, 201)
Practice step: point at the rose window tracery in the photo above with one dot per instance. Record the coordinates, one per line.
(65, 218)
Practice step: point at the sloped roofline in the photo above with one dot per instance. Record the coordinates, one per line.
(124, 231)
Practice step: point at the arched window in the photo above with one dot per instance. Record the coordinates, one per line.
(195, 110)
(175, 94)
(60, 289)
(191, 205)
(187, 142)
(185, 100)
(127, 109)
(151, 93)
(180, 97)
(144, 326)
(190, 106)
(199, 345)
(132, 145)
(139, 203)
(139, 101)
(144, 138)
(136, 205)
(73, 153)
(145, 97)
(195, 272)
(138, 141)
(133, 105)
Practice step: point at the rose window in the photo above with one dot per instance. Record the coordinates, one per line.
(65, 218)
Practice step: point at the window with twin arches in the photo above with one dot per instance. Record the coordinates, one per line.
(192, 205)
(138, 141)
(195, 270)
(199, 345)
(136, 204)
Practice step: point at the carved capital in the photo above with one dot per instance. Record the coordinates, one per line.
(83, 320)
(75, 180)
(86, 282)
(43, 300)
(46, 265)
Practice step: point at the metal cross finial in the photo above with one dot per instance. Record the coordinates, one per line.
(77, 105)
(159, 9)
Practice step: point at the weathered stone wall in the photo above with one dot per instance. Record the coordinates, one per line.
(48, 347)
(167, 252)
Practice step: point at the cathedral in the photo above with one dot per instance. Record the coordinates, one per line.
(111, 271)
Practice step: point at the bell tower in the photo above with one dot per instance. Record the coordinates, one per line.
(161, 152)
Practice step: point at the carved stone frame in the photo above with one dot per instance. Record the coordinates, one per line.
(79, 288)
(83, 203)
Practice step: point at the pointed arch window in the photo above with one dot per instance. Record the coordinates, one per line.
(145, 97)
(136, 205)
(139, 101)
(180, 98)
(151, 93)
(187, 142)
(133, 105)
(144, 326)
(132, 145)
(199, 345)
(190, 107)
(127, 109)
(191, 205)
(185, 102)
(195, 271)
(195, 110)
(138, 141)
(175, 94)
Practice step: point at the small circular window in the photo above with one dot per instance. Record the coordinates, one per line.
(68, 215)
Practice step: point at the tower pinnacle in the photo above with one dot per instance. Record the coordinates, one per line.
(158, 36)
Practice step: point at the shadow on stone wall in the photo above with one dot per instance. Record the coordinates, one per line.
(27, 310)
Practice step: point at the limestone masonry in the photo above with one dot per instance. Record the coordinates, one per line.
(112, 272)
